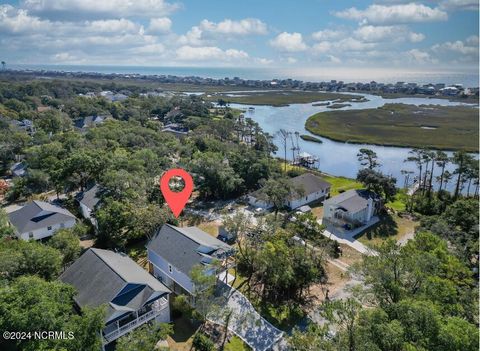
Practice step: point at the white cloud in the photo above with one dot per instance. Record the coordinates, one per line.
(291, 60)
(328, 34)
(469, 47)
(245, 26)
(394, 14)
(419, 56)
(112, 26)
(16, 21)
(107, 8)
(289, 42)
(204, 53)
(334, 59)
(459, 5)
(322, 47)
(192, 37)
(160, 25)
(264, 61)
(387, 33)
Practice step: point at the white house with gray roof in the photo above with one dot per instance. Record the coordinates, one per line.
(354, 207)
(174, 251)
(132, 296)
(88, 201)
(312, 188)
(38, 219)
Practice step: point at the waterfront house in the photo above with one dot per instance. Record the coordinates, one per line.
(132, 296)
(311, 188)
(353, 208)
(38, 219)
(174, 252)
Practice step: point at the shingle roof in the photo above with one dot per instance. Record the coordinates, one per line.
(307, 182)
(310, 183)
(38, 214)
(101, 275)
(352, 200)
(89, 197)
(185, 248)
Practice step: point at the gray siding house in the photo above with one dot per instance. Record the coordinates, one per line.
(88, 201)
(132, 296)
(38, 219)
(174, 251)
(314, 189)
(353, 207)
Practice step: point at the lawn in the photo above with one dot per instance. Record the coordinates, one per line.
(236, 344)
(280, 97)
(183, 332)
(399, 203)
(390, 226)
(209, 227)
(426, 126)
(341, 184)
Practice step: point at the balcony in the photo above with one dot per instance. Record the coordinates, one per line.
(114, 331)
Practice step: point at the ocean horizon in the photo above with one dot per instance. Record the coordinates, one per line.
(466, 78)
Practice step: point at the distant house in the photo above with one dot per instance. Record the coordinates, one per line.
(176, 129)
(38, 219)
(314, 189)
(88, 200)
(18, 169)
(24, 125)
(133, 297)
(90, 121)
(174, 251)
(353, 207)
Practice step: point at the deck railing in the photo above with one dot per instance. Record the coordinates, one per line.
(124, 329)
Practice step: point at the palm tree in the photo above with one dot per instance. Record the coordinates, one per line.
(4, 65)
(442, 161)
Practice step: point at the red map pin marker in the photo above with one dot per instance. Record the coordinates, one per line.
(176, 200)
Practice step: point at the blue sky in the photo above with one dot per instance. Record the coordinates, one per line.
(386, 34)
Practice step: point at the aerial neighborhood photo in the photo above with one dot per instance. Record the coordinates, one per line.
(239, 175)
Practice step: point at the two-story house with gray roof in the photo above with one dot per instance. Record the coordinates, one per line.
(38, 219)
(132, 296)
(352, 207)
(174, 251)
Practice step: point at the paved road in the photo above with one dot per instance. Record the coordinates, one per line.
(348, 237)
(245, 322)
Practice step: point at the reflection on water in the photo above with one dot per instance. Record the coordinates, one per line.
(335, 157)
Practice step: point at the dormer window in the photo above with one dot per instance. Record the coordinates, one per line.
(49, 227)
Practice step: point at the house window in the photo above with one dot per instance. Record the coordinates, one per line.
(306, 198)
(49, 227)
(170, 268)
(30, 235)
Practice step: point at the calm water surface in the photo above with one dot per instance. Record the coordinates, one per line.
(337, 158)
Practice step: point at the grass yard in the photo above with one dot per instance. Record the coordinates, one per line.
(426, 126)
(350, 255)
(210, 228)
(236, 344)
(183, 332)
(280, 97)
(399, 203)
(341, 184)
(390, 226)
